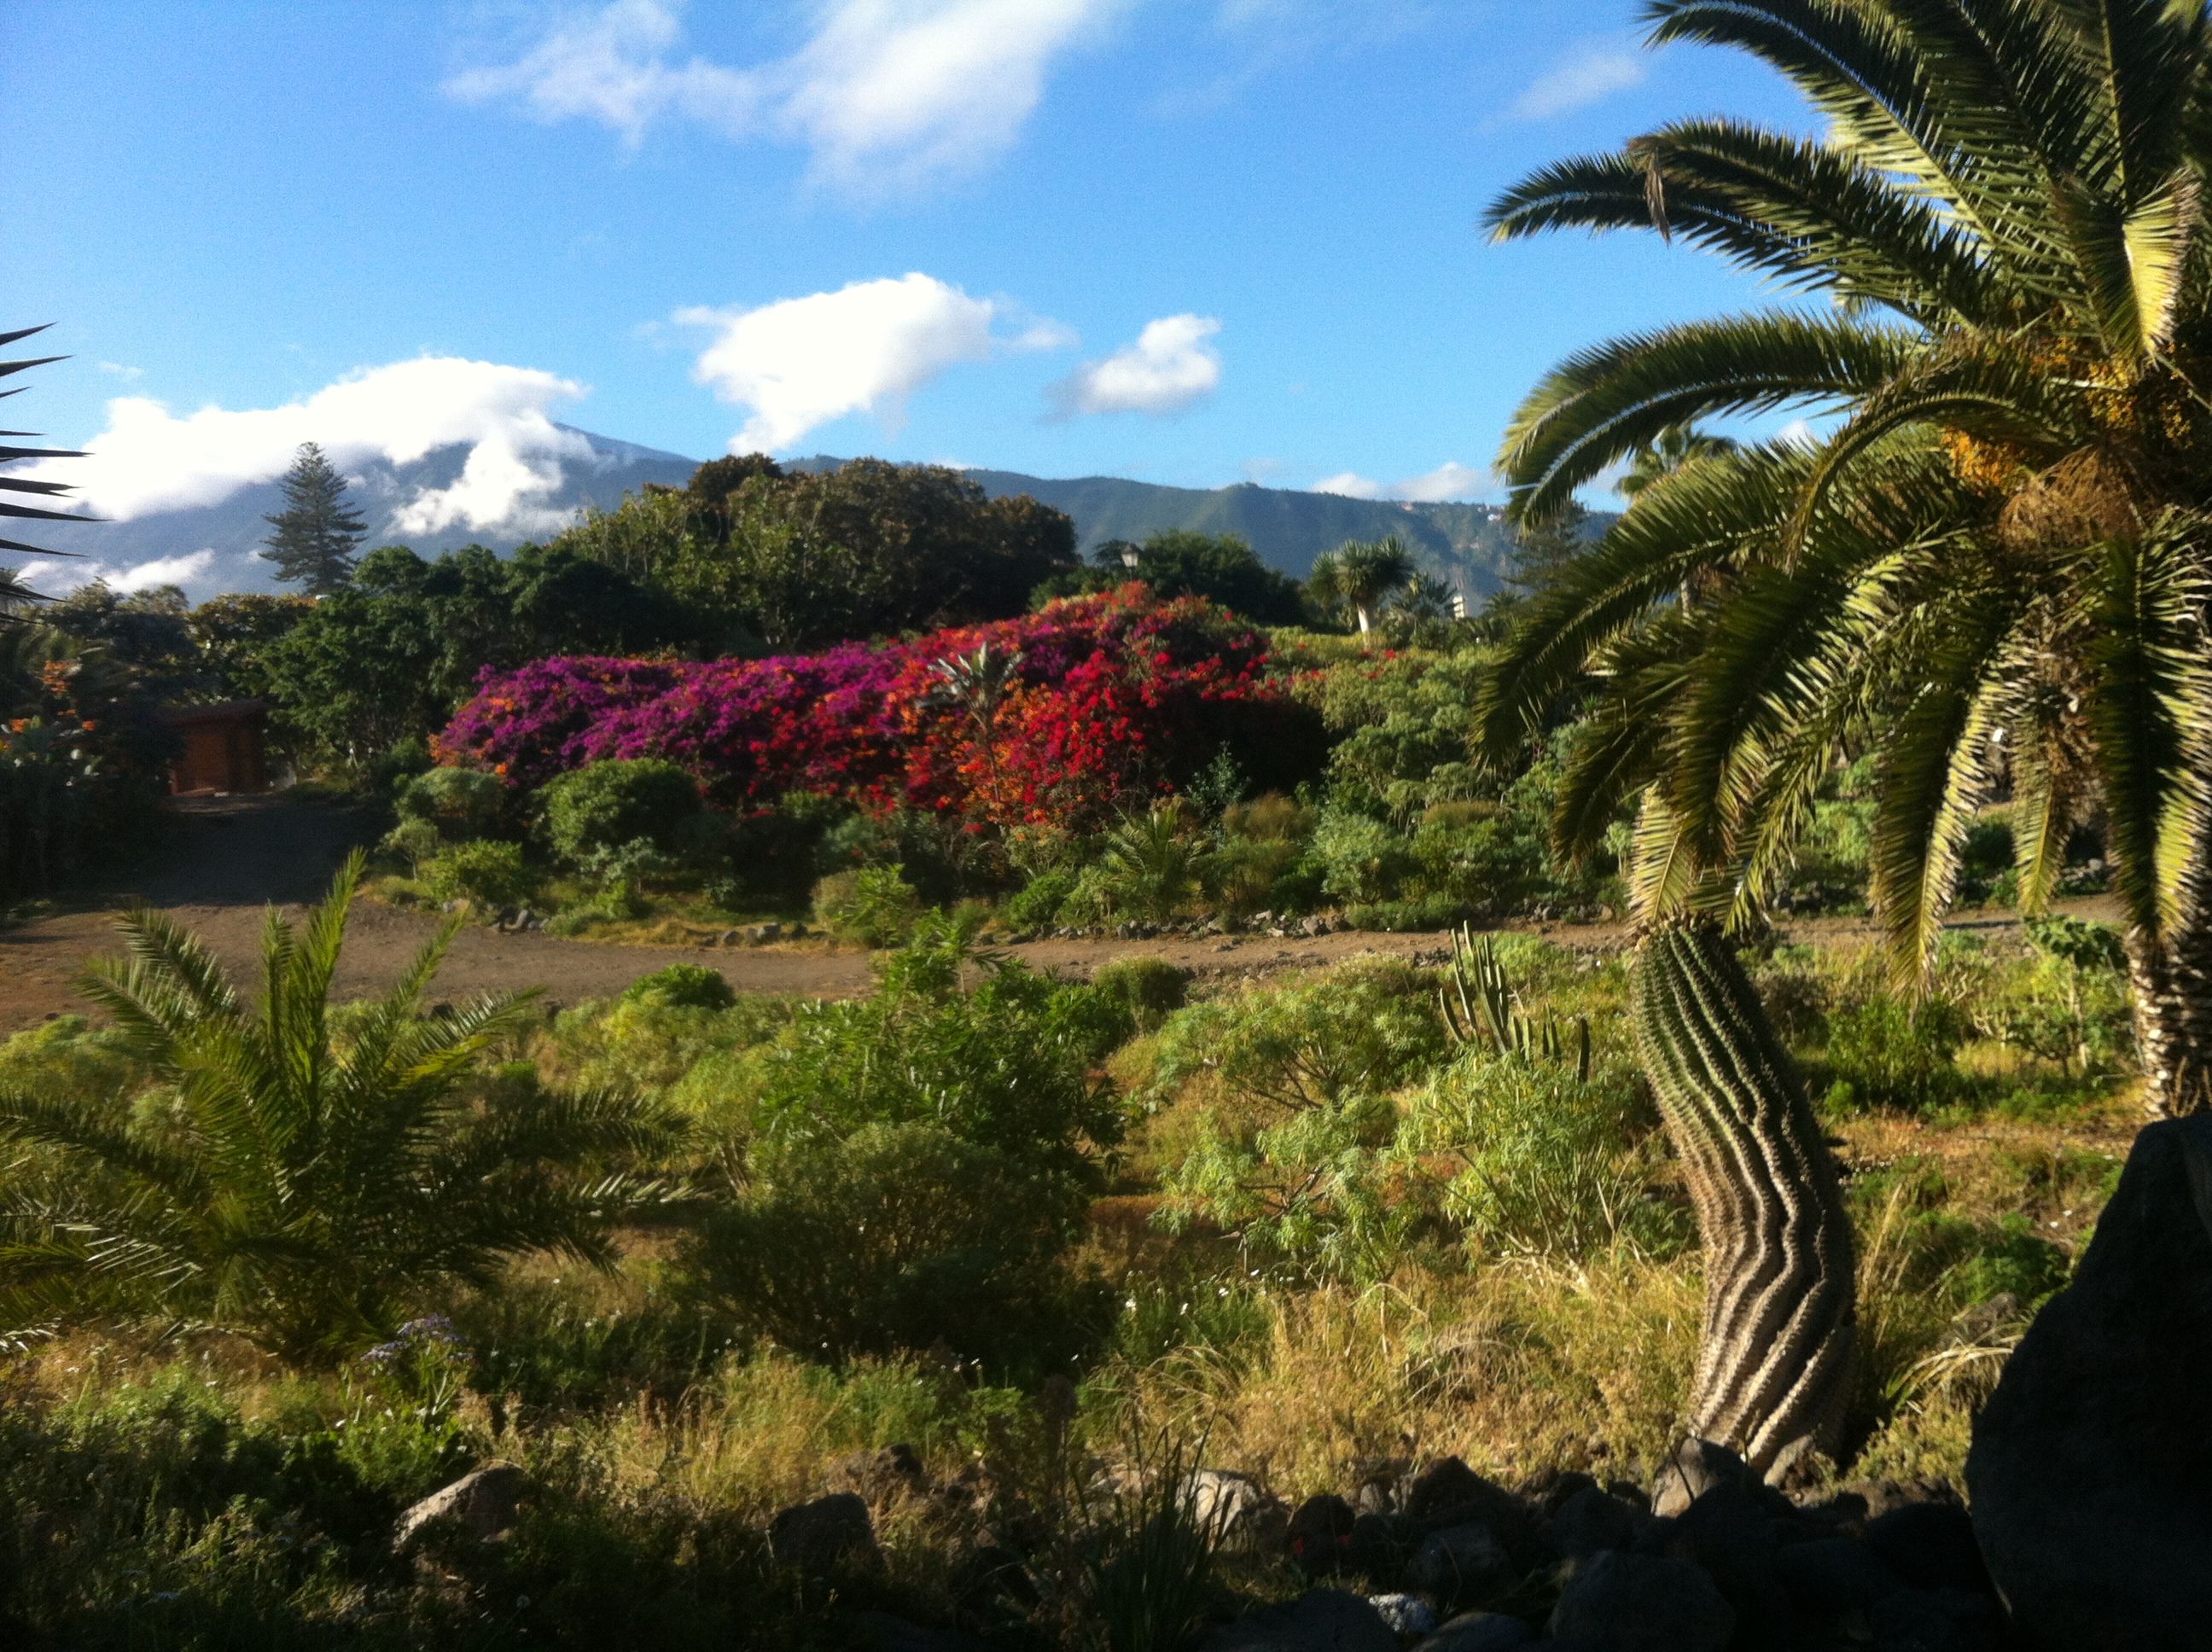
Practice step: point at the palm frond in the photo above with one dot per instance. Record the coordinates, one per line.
(1601, 405)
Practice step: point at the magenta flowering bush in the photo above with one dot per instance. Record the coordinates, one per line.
(1109, 699)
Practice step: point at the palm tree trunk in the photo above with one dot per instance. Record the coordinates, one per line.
(2172, 976)
(1774, 1362)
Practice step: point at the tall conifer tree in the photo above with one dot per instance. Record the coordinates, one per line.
(313, 538)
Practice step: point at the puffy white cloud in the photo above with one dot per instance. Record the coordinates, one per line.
(615, 66)
(194, 571)
(887, 93)
(800, 362)
(1590, 72)
(1448, 481)
(150, 459)
(1172, 366)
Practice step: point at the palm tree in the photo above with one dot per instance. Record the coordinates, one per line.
(1676, 446)
(1358, 574)
(1994, 570)
(299, 1185)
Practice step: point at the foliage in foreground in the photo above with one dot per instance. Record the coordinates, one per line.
(296, 1176)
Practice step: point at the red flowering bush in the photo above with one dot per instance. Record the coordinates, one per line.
(1061, 716)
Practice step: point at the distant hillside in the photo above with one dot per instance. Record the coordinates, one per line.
(213, 547)
(1470, 544)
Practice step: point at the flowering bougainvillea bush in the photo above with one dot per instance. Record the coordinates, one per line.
(1064, 716)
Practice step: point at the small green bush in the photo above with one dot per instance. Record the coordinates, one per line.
(1885, 1053)
(492, 872)
(1037, 904)
(874, 906)
(602, 806)
(1148, 865)
(683, 987)
(1151, 989)
(415, 841)
(461, 803)
(1548, 1163)
(1362, 859)
(898, 1236)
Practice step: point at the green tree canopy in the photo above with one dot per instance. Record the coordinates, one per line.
(795, 559)
(1222, 567)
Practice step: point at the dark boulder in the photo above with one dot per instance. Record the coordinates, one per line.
(1643, 1603)
(2091, 1471)
(1479, 1632)
(1324, 1620)
(1833, 1574)
(820, 1537)
(1590, 1521)
(1459, 1565)
(1319, 1534)
(1936, 1620)
(1449, 1493)
(1931, 1545)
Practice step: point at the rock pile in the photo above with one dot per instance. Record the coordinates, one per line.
(1445, 1560)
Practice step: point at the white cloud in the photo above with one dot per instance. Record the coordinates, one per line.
(615, 66)
(1590, 72)
(1172, 366)
(887, 93)
(1448, 481)
(193, 571)
(800, 362)
(150, 459)
(127, 374)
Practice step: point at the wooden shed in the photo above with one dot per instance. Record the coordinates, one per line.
(223, 747)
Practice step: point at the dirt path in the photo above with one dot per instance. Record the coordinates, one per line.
(228, 860)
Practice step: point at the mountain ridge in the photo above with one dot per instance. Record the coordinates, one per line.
(213, 547)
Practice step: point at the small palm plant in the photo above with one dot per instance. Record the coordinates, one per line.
(297, 1185)
(1359, 575)
(1150, 863)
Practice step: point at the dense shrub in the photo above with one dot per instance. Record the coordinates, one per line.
(1885, 1052)
(487, 871)
(459, 802)
(1540, 1160)
(683, 987)
(1037, 904)
(898, 1236)
(1364, 1029)
(874, 906)
(605, 805)
(1151, 989)
(1007, 1063)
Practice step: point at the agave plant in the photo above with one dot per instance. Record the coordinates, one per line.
(302, 1186)
(1994, 570)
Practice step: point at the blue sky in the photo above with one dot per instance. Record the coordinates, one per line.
(1196, 241)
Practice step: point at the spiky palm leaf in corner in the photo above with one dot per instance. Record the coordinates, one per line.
(297, 1184)
(15, 595)
(1995, 569)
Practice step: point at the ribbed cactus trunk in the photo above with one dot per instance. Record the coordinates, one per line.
(1780, 1313)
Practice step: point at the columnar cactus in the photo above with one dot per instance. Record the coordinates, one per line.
(1779, 1320)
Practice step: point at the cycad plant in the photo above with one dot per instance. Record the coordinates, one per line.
(1359, 575)
(299, 1178)
(1993, 570)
